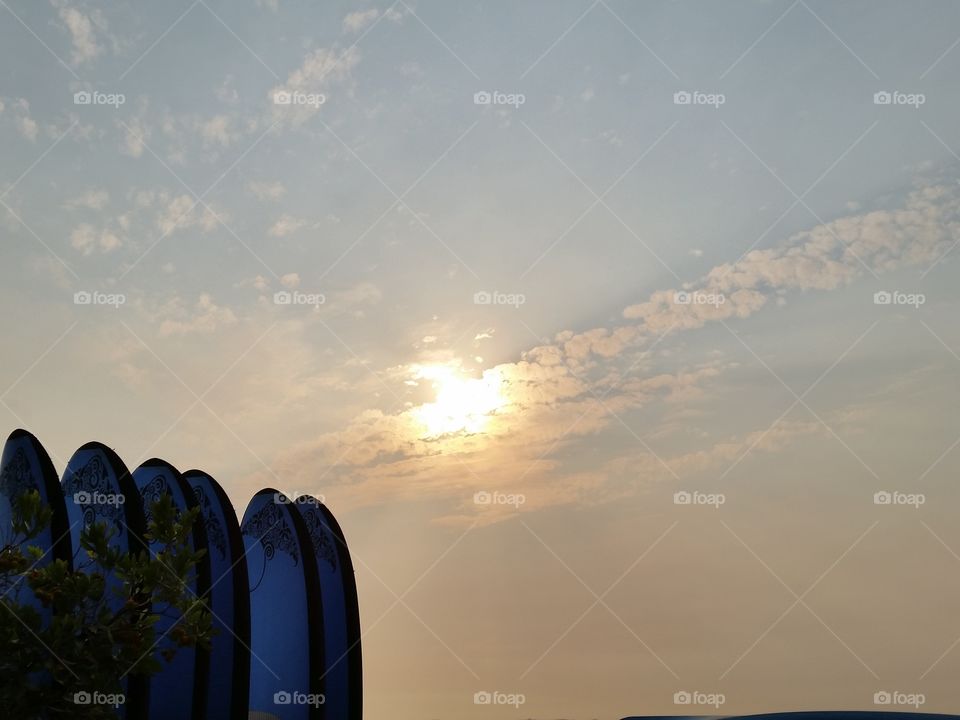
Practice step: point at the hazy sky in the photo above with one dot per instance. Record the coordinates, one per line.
(576, 257)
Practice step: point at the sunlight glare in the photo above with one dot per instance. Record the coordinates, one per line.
(461, 404)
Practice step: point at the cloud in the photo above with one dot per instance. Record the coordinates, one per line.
(91, 199)
(320, 71)
(86, 239)
(25, 124)
(359, 19)
(226, 92)
(28, 128)
(135, 133)
(204, 317)
(353, 300)
(381, 457)
(824, 258)
(176, 213)
(286, 225)
(551, 394)
(183, 212)
(272, 5)
(267, 190)
(82, 33)
(291, 280)
(109, 241)
(572, 390)
(218, 131)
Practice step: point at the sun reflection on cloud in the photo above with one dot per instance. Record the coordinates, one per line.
(462, 404)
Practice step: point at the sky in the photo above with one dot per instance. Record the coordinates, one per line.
(620, 336)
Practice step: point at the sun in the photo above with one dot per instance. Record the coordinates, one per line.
(462, 404)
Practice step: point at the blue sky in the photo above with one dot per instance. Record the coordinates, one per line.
(683, 298)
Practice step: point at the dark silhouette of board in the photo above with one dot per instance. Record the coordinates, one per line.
(282, 585)
(343, 671)
(190, 667)
(286, 668)
(228, 685)
(98, 488)
(26, 467)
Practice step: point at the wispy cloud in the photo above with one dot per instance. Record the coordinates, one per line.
(575, 387)
(83, 29)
